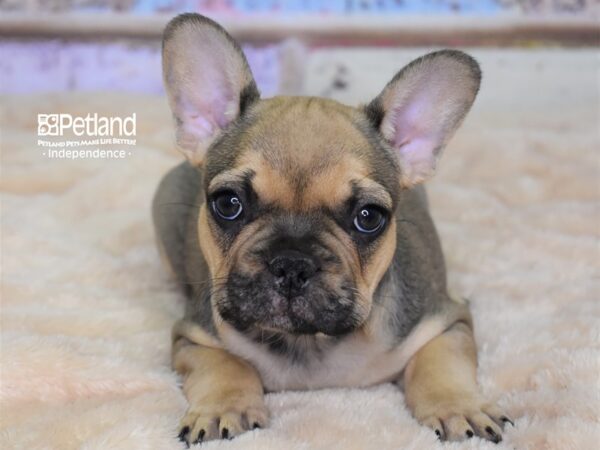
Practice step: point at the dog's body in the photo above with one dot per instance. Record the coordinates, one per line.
(399, 325)
(304, 244)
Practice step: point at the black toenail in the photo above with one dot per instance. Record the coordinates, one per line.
(495, 437)
(507, 420)
(225, 433)
(256, 425)
(438, 433)
(469, 434)
(184, 431)
(200, 437)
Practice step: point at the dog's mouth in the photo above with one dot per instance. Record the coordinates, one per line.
(255, 304)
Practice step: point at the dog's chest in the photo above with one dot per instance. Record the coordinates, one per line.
(354, 361)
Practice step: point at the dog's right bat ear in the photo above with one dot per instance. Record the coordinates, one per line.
(208, 81)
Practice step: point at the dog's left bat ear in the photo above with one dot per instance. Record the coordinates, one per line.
(421, 108)
(208, 81)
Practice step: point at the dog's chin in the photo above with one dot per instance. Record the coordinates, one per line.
(296, 316)
(294, 326)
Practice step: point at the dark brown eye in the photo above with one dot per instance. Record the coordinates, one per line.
(227, 206)
(369, 220)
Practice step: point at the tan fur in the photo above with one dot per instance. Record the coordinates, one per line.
(193, 333)
(441, 387)
(309, 140)
(236, 254)
(224, 392)
(381, 259)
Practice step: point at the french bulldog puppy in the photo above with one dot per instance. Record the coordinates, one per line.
(301, 235)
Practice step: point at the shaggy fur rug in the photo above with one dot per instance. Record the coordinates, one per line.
(87, 306)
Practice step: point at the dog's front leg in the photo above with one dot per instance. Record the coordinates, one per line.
(225, 394)
(441, 389)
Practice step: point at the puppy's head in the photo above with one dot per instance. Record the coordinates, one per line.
(298, 226)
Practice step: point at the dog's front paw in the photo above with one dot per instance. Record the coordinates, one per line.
(462, 418)
(223, 416)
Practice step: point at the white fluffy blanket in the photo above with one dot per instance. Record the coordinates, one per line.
(87, 307)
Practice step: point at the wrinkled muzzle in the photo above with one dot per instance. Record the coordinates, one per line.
(292, 282)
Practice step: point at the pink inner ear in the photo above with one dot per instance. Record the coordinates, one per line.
(411, 120)
(415, 135)
(423, 105)
(217, 94)
(417, 159)
(204, 115)
(199, 126)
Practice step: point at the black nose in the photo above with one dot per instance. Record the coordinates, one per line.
(292, 270)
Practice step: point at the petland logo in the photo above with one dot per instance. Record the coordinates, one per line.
(97, 137)
(91, 125)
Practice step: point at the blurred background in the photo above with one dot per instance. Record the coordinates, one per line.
(317, 47)
(87, 308)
